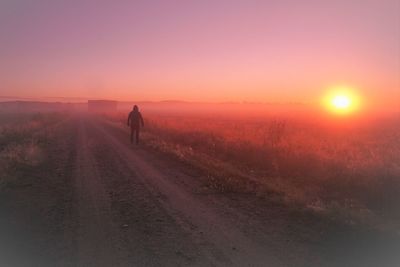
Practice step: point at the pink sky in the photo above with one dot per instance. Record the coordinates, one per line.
(250, 50)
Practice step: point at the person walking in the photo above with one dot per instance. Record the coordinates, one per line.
(135, 120)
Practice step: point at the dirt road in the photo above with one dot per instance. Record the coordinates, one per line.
(99, 201)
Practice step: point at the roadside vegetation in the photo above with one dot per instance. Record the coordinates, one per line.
(23, 137)
(348, 170)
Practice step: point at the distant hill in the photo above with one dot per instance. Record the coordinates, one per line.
(229, 108)
(163, 107)
(37, 106)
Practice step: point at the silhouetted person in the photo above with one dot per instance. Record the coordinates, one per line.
(135, 120)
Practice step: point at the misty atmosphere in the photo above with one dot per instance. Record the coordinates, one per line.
(201, 189)
(200, 133)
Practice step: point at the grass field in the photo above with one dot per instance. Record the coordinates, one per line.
(348, 169)
(71, 182)
(22, 138)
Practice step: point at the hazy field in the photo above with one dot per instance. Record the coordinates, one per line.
(199, 190)
(348, 169)
(22, 138)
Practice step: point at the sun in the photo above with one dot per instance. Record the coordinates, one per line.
(341, 100)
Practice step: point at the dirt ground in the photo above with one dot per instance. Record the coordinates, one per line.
(97, 200)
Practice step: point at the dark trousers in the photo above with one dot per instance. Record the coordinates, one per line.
(135, 132)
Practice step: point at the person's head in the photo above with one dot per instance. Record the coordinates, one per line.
(135, 108)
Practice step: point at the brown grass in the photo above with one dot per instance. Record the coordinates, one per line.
(346, 168)
(22, 137)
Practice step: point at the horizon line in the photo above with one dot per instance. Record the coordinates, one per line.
(44, 100)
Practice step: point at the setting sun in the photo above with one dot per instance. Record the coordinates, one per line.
(341, 100)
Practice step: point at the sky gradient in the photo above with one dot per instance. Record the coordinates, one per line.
(250, 50)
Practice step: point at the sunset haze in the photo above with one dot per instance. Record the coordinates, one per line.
(212, 51)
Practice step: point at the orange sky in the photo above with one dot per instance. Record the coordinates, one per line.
(260, 51)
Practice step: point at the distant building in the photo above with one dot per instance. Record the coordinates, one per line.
(102, 105)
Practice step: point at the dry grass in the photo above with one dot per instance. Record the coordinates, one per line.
(352, 168)
(22, 137)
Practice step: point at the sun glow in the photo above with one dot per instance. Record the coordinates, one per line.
(342, 100)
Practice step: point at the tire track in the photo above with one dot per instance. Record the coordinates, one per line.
(220, 241)
(98, 238)
(150, 233)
